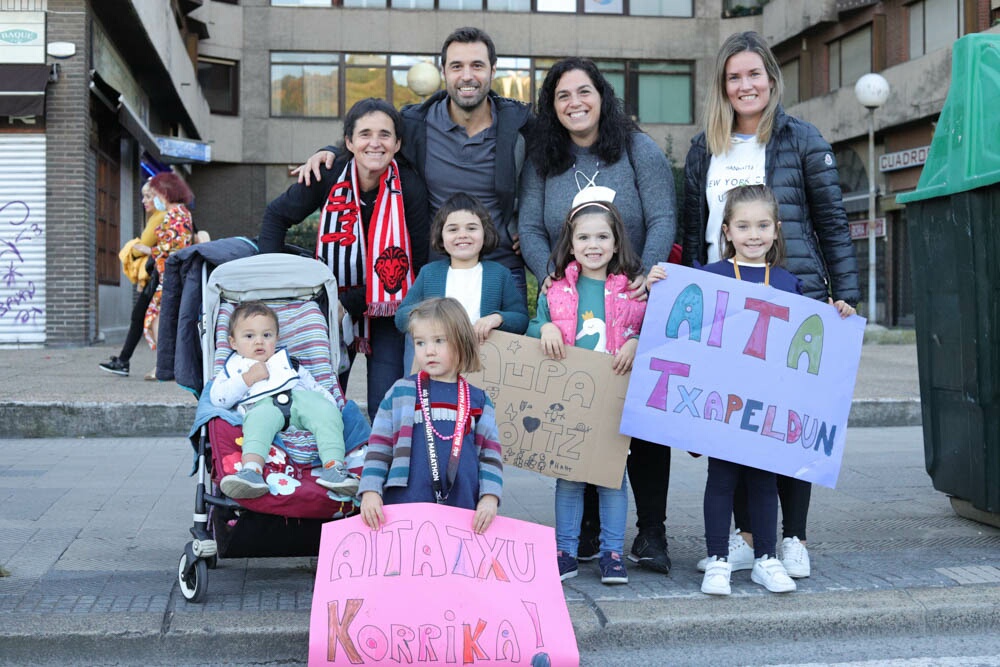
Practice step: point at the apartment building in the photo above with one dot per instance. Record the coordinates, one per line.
(232, 92)
(824, 46)
(96, 96)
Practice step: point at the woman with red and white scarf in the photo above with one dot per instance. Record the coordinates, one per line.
(373, 233)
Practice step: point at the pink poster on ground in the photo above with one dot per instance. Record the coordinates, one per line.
(426, 589)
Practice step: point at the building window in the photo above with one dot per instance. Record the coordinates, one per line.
(934, 24)
(220, 82)
(850, 57)
(679, 8)
(513, 79)
(652, 91)
(305, 84)
(508, 5)
(790, 75)
(676, 8)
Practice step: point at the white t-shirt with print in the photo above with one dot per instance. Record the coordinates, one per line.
(742, 165)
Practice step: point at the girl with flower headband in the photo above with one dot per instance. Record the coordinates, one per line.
(589, 305)
(435, 438)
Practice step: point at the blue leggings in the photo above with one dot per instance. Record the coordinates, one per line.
(762, 506)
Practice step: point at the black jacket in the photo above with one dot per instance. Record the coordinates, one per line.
(513, 122)
(800, 169)
(178, 348)
(299, 201)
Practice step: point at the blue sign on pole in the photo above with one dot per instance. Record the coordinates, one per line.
(184, 149)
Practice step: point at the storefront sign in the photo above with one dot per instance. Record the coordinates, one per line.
(912, 157)
(186, 150)
(859, 229)
(22, 37)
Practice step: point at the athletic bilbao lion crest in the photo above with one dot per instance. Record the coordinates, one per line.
(392, 267)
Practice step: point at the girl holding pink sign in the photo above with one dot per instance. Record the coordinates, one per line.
(434, 438)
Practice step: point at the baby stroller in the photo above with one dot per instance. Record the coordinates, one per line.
(287, 520)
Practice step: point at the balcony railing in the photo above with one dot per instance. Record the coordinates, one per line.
(23, 5)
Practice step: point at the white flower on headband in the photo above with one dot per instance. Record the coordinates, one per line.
(594, 193)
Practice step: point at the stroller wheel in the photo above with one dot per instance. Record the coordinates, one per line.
(212, 562)
(192, 577)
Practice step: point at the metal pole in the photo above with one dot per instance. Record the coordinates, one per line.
(871, 215)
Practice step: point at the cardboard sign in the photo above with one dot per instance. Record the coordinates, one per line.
(426, 589)
(745, 373)
(559, 418)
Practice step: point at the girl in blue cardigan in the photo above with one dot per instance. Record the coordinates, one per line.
(463, 230)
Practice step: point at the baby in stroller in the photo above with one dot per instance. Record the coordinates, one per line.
(273, 391)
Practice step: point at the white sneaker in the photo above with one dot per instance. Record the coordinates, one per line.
(740, 554)
(716, 580)
(770, 573)
(795, 558)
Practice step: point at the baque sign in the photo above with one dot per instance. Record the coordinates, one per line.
(18, 36)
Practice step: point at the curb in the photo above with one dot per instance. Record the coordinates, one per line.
(92, 419)
(696, 620)
(37, 419)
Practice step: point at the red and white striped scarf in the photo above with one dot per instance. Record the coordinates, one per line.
(383, 262)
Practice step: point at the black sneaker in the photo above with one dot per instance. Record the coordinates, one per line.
(589, 547)
(116, 366)
(649, 550)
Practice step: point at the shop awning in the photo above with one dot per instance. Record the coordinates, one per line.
(22, 89)
(128, 118)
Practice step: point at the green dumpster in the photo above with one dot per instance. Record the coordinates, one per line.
(953, 219)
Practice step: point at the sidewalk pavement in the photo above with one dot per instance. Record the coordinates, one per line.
(92, 531)
(61, 392)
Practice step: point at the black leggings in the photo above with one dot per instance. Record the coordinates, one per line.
(649, 475)
(793, 494)
(135, 327)
(762, 500)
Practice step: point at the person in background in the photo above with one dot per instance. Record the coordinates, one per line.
(119, 364)
(171, 195)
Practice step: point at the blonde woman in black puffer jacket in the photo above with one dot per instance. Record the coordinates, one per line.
(748, 140)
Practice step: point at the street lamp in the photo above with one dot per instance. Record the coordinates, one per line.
(872, 90)
(423, 79)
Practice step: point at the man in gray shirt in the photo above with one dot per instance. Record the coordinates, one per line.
(466, 138)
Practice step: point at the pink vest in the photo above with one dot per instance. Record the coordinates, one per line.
(622, 315)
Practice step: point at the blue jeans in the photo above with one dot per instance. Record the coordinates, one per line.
(613, 508)
(520, 282)
(385, 363)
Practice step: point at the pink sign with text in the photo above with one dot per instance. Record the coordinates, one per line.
(426, 589)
